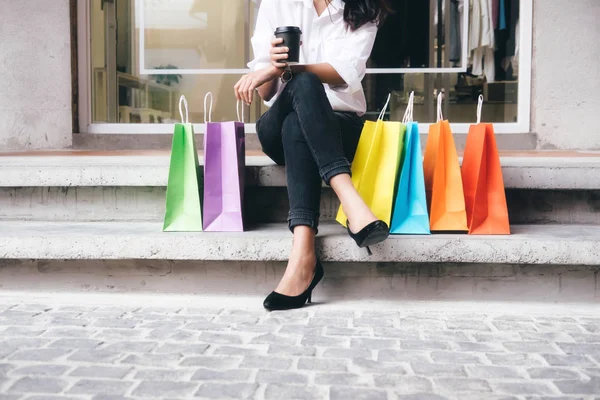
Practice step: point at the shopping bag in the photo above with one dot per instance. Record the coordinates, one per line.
(375, 166)
(224, 169)
(485, 198)
(184, 187)
(410, 207)
(443, 180)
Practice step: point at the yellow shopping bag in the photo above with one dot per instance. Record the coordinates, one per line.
(376, 166)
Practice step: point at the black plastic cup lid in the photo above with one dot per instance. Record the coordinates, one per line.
(286, 29)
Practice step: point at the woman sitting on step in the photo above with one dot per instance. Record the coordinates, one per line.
(313, 124)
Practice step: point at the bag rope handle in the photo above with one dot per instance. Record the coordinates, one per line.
(237, 109)
(183, 101)
(408, 114)
(210, 110)
(479, 108)
(384, 109)
(440, 99)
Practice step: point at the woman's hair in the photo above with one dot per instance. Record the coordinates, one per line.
(360, 12)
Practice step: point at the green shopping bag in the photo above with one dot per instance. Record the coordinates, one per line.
(183, 208)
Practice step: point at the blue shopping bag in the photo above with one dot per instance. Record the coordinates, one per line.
(410, 214)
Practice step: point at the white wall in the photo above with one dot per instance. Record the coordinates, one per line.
(566, 74)
(35, 75)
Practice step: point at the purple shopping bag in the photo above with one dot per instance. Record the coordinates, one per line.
(224, 169)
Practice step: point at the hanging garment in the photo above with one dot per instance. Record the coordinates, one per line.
(481, 39)
(455, 31)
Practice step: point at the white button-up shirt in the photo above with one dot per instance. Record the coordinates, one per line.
(325, 39)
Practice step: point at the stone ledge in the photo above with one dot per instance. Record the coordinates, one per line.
(529, 244)
(521, 170)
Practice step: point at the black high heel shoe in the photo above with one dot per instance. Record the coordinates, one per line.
(375, 232)
(278, 301)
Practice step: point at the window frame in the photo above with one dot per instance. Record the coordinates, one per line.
(523, 124)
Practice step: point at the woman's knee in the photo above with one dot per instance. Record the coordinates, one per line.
(307, 81)
(292, 132)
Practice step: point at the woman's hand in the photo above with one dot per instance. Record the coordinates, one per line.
(244, 89)
(278, 54)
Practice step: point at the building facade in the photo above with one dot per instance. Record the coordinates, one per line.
(81, 71)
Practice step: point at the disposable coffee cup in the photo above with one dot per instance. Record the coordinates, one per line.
(291, 35)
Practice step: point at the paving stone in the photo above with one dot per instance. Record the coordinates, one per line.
(347, 353)
(286, 391)
(517, 326)
(67, 333)
(270, 338)
(584, 337)
(423, 345)
(545, 337)
(523, 388)
(98, 371)
(164, 389)
(568, 360)
(38, 385)
(446, 336)
(227, 390)
(24, 343)
(53, 370)
(531, 347)
(579, 386)
(496, 337)
(152, 360)
(204, 374)
(320, 364)
(422, 396)
(455, 385)
(131, 346)
(184, 348)
(211, 362)
(170, 334)
(495, 372)
(403, 384)
(430, 369)
(4, 368)
(452, 357)
(371, 322)
(220, 338)
(402, 355)
(396, 333)
(70, 322)
(467, 325)
(21, 331)
(266, 362)
(580, 348)
(302, 330)
(371, 366)
(292, 350)
(337, 331)
(515, 359)
(239, 351)
(120, 334)
(76, 343)
(329, 322)
(344, 393)
(373, 343)
(157, 374)
(321, 341)
(268, 376)
(99, 386)
(553, 373)
(43, 355)
(95, 356)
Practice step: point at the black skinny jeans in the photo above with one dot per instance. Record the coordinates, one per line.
(302, 132)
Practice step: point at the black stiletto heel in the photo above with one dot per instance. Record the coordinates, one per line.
(278, 301)
(375, 232)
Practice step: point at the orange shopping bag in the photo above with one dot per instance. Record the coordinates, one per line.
(443, 181)
(487, 213)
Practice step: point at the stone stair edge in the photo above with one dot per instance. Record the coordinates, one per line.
(526, 170)
(528, 245)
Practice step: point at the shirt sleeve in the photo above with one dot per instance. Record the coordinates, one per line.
(263, 34)
(350, 59)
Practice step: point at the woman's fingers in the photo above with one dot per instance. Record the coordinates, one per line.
(279, 50)
(237, 87)
(276, 41)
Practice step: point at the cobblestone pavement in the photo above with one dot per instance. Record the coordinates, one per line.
(61, 351)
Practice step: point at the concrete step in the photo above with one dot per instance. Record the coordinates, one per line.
(521, 170)
(529, 244)
(542, 187)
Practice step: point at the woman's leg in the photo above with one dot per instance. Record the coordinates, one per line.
(304, 192)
